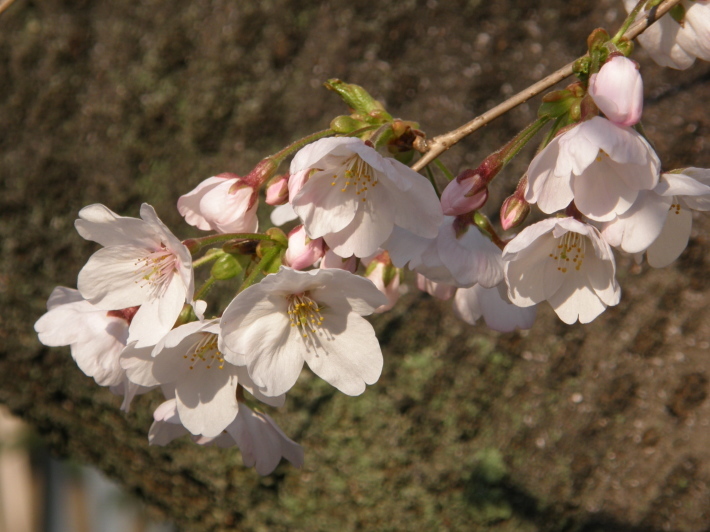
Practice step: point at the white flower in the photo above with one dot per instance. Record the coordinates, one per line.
(347, 193)
(688, 191)
(617, 89)
(599, 165)
(495, 307)
(438, 290)
(461, 256)
(314, 316)
(205, 384)
(565, 262)
(223, 203)
(260, 440)
(96, 336)
(674, 44)
(142, 264)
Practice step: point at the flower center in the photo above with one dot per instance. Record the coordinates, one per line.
(569, 251)
(359, 175)
(156, 269)
(205, 350)
(304, 313)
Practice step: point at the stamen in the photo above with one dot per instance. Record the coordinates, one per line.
(155, 270)
(305, 314)
(569, 252)
(358, 176)
(205, 350)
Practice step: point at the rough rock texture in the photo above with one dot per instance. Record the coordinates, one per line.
(584, 428)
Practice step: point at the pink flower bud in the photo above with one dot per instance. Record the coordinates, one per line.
(302, 252)
(438, 290)
(331, 260)
(461, 197)
(617, 89)
(277, 191)
(223, 203)
(513, 211)
(386, 277)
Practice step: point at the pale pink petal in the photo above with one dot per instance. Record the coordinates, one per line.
(672, 240)
(348, 356)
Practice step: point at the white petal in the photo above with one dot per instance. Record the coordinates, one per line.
(110, 279)
(206, 399)
(100, 224)
(348, 355)
(672, 240)
(283, 214)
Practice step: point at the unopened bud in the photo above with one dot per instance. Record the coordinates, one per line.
(346, 124)
(386, 278)
(277, 190)
(302, 251)
(226, 267)
(358, 99)
(513, 212)
(464, 194)
(261, 172)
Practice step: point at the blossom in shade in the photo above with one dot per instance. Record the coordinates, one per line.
(495, 307)
(188, 360)
(675, 42)
(261, 442)
(141, 265)
(689, 190)
(223, 203)
(565, 262)
(315, 316)
(617, 89)
(347, 193)
(96, 336)
(331, 260)
(461, 256)
(599, 165)
(438, 290)
(302, 251)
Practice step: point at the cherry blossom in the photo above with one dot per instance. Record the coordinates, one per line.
(461, 256)
(142, 264)
(96, 336)
(314, 316)
(223, 203)
(261, 442)
(205, 385)
(689, 190)
(676, 44)
(495, 307)
(617, 89)
(347, 193)
(599, 165)
(565, 262)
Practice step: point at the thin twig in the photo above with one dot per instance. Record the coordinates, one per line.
(4, 4)
(436, 146)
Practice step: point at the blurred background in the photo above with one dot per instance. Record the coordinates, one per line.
(601, 427)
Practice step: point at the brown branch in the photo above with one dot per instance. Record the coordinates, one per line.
(438, 145)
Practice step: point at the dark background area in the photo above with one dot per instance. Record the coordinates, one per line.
(602, 427)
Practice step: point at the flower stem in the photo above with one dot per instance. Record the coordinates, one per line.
(269, 255)
(434, 147)
(205, 288)
(194, 244)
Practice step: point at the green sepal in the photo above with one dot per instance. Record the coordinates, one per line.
(359, 100)
(226, 267)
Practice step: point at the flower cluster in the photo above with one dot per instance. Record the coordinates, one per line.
(137, 322)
